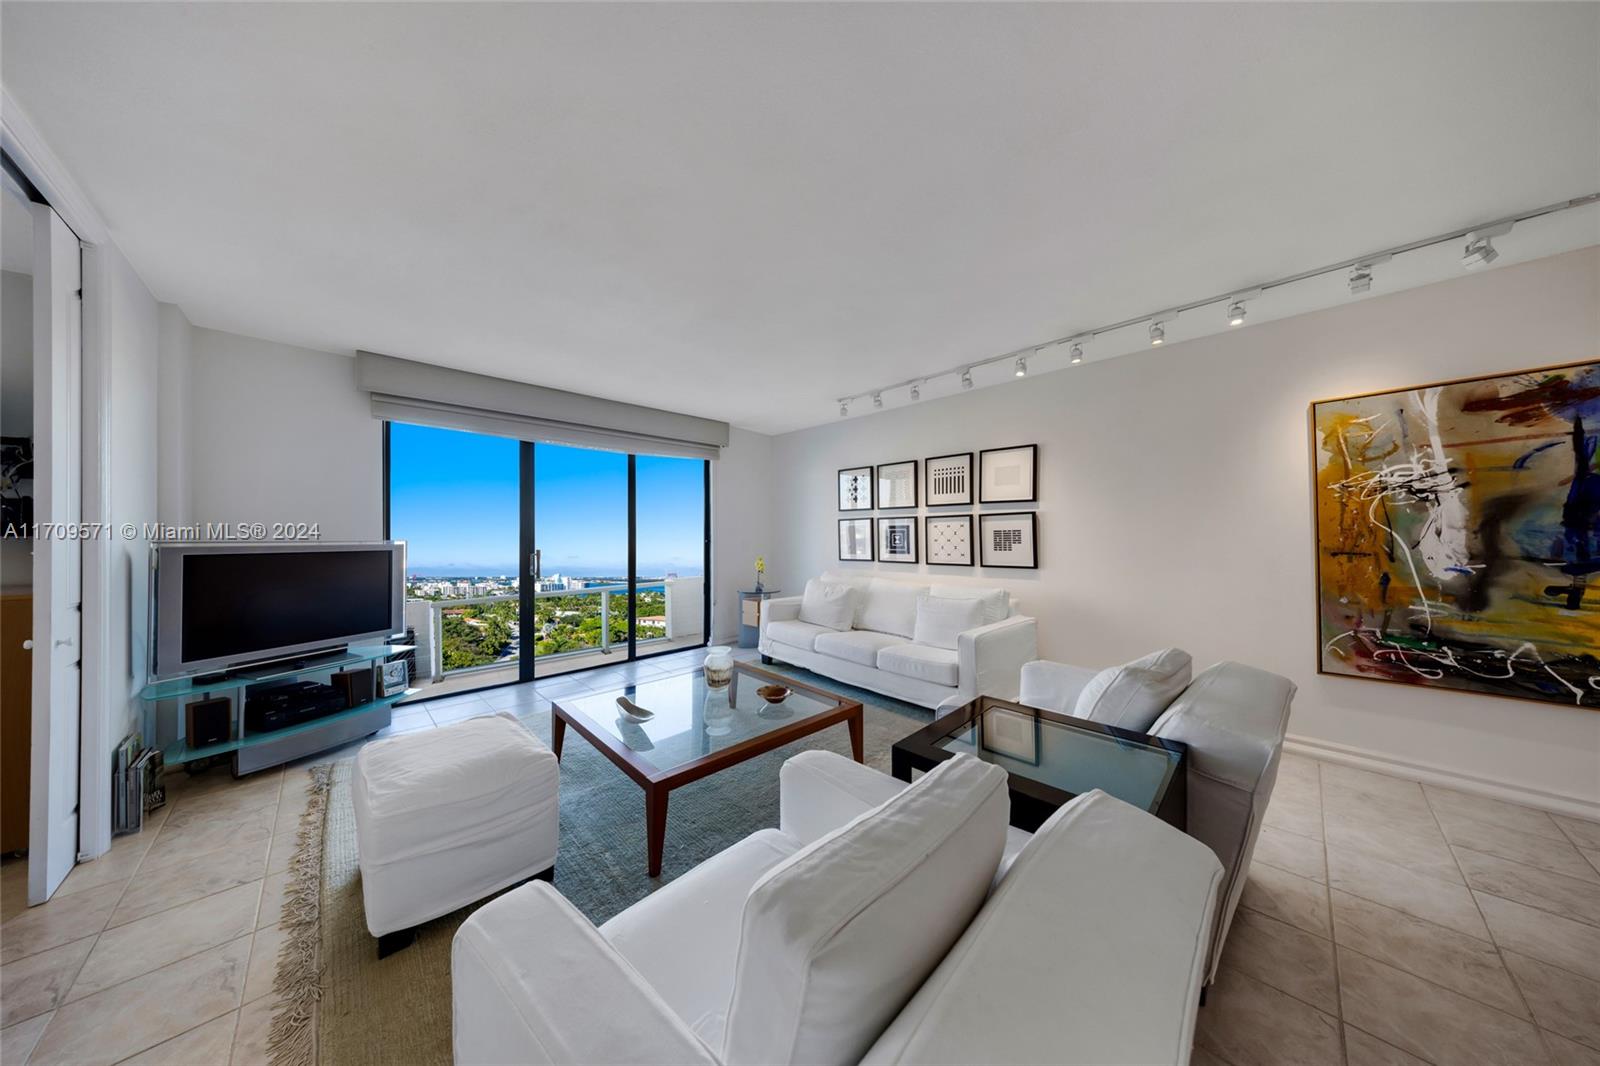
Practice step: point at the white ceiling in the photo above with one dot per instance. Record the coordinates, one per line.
(745, 211)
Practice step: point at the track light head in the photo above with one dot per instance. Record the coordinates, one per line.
(844, 408)
(966, 377)
(1076, 354)
(1236, 313)
(877, 399)
(1158, 334)
(1360, 279)
(1479, 253)
(916, 390)
(1022, 366)
(1480, 250)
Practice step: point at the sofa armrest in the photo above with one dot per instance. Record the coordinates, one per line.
(533, 981)
(784, 609)
(819, 791)
(990, 658)
(1053, 686)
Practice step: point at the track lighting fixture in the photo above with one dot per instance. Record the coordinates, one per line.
(1361, 273)
(1480, 250)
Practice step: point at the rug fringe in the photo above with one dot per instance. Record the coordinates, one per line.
(299, 980)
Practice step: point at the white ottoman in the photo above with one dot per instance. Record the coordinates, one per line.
(451, 815)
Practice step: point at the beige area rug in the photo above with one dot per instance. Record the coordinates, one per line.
(344, 1007)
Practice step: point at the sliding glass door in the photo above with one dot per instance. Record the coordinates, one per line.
(453, 498)
(580, 547)
(527, 560)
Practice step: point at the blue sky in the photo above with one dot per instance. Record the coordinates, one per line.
(453, 499)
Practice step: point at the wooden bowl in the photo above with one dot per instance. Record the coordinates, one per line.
(773, 693)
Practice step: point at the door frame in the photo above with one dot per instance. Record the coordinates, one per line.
(30, 156)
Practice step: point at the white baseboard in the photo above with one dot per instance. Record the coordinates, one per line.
(1429, 773)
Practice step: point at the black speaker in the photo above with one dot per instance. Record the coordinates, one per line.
(210, 721)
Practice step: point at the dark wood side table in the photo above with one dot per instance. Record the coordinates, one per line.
(1049, 758)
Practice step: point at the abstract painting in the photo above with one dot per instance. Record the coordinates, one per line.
(1458, 528)
(1008, 475)
(1009, 540)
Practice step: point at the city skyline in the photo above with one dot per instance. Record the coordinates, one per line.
(454, 498)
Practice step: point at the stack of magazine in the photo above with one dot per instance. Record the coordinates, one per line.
(136, 784)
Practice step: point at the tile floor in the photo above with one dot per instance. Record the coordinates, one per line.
(1390, 922)
(164, 950)
(1383, 922)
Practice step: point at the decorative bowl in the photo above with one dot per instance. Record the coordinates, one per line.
(773, 693)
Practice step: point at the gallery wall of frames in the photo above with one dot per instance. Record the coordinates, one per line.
(895, 493)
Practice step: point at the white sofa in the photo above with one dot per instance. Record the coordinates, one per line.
(1233, 718)
(865, 929)
(878, 651)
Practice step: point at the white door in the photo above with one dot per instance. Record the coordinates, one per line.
(57, 558)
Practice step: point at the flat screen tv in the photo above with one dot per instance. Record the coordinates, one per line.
(227, 606)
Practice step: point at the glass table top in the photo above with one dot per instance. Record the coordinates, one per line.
(1075, 760)
(691, 719)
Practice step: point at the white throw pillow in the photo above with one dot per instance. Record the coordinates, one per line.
(996, 602)
(941, 621)
(891, 607)
(1134, 694)
(836, 938)
(829, 606)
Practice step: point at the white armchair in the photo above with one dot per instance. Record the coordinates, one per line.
(862, 930)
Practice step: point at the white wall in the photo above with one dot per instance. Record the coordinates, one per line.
(278, 433)
(1175, 502)
(281, 434)
(176, 396)
(741, 525)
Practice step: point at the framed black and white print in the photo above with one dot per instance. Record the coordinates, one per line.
(855, 489)
(949, 539)
(897, 540)
(949, 480)
(1008, 475)
(855, 539)
(1010, 540)
(897, 485)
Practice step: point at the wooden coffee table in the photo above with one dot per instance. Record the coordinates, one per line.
(697, 730)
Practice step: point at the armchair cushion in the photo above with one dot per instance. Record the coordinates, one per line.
(837, 938)
(532, 981)
(820, 791)
(696, 917)
(940, 621)
(1134, 694)
(1053, 686)
(829, 606)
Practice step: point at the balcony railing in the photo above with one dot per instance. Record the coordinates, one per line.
(683, 618)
